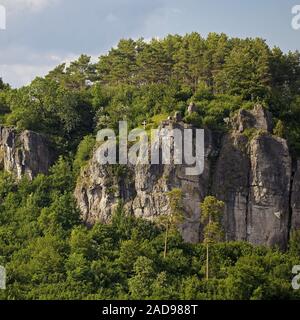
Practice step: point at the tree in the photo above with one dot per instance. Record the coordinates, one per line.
(80, 242)
(190, 62)
(62, 213)
(140, 283)
(120, 64)
(77, 268)
(161, 290)
(246, 71)
(57, 74)
(175, 217)
(245, 279)
(3, 86)
(129, 252)
(218, 48)
(80, 72)
(48, 107)
(279, 129)
(294, 244)
(154, 64)
(84, 151)
(211, 213)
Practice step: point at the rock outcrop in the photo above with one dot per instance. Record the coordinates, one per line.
(24, 153)
(295, 200)
(143, 189)
(253, 178)
(258, 118)
(231, 184)
(250, 170)
(268, 205)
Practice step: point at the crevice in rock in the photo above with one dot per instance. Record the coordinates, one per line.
(248, 195)
(247, 205)
(294, 170)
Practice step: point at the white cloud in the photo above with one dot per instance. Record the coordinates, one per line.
(33, 5)
(21, 73)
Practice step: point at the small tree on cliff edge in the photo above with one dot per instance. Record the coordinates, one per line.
(176, 216)
(211, 213)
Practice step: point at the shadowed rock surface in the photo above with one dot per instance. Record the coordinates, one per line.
(295, 200)
(25, 153)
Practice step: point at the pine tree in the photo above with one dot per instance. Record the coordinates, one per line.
(174, 218)
(211, 214)
(246, 71)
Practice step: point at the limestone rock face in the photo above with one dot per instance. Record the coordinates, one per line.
(99, 190)
(253, 178)
(25, 153)
(251, 171)
(143, 191)
(251, 174)
(258, 118)
(231, 184)
(268, 206)
(295, 200)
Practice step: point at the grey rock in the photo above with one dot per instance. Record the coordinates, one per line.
(192, 108)
(258, 118)
(25, 153)
(143, 191)
(231, 184)
(295, 200)
(253, 179)
(251, 175)
(268, 206)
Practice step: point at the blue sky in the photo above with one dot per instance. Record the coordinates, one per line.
(41, 34)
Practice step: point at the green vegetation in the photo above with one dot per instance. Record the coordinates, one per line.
(139, 81)
(50, 254)
(170, 222)
(211, 214)
(84, 152)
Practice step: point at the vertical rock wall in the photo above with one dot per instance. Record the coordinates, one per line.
(252, 174)
(25, 153)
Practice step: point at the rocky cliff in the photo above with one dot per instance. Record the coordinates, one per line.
(142, 189)
(249, 169)
(295, 198)
(253, 177)
(24, 153)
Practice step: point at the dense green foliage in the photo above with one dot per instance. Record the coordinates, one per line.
(138, 80)
(50, 254)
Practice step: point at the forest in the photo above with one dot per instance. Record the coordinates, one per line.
(48, 251)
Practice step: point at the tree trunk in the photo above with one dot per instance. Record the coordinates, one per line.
(207, 262)
(166, 242)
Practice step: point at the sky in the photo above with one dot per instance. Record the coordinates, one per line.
(40, 34)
